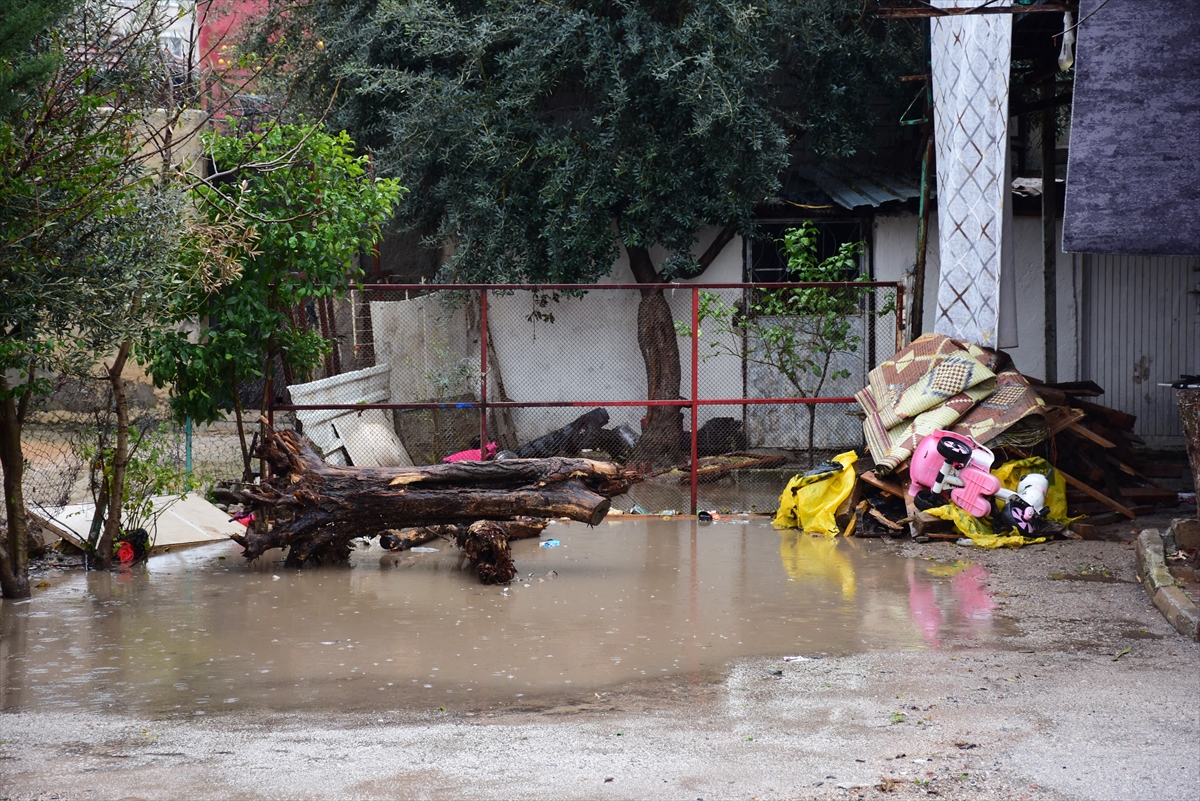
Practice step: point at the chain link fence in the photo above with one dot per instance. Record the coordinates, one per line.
(420, 373)
(67, 431)
(564, 370)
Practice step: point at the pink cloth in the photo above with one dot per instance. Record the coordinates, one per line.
(473, 455)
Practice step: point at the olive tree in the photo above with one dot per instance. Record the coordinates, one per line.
(540, 138)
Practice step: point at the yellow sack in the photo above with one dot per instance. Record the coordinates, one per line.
(809, 502)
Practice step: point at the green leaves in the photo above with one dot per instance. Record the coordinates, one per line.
(314, 207)
(799, 331)
(527, 128)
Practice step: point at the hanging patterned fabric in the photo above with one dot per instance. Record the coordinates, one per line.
(970, 63)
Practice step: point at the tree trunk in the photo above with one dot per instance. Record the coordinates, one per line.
(522, 528)
(663, 439)
(120, 460)
(318, 508)
(14, 556)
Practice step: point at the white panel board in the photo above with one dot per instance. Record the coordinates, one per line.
(180, 522)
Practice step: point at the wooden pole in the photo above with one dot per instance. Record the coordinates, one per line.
(1049, 232)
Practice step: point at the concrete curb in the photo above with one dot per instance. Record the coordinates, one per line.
(1176, 607)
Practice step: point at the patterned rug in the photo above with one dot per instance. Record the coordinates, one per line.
(941, 383)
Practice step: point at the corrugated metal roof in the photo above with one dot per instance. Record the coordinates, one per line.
(852, 186)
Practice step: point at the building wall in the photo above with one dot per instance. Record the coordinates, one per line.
(590, 351)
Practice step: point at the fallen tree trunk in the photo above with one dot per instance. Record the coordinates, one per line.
(315, 509)
(522, 528)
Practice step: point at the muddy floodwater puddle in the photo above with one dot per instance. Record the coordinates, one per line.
(201, 632)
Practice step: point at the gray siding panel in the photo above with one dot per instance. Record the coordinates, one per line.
(1140, 327)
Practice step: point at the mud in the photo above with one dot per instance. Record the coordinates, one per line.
(632, 601)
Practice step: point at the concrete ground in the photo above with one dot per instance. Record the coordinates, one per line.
(1088, 693)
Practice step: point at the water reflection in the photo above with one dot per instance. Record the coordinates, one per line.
(968, 603)
(199, 631)
(810, 559)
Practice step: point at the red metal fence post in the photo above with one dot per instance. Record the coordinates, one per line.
(483, 374)
(695, 382)
(264, 467)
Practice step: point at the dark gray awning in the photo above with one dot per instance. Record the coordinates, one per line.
(851, 186)
(1133, 174)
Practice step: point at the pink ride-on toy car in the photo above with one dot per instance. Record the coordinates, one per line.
(944, 461)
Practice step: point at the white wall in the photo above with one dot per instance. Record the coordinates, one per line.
(590, 351)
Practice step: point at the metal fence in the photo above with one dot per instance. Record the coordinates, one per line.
(421, 372)
(427, 371)
(65, 428)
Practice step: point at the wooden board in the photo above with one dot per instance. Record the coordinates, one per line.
(1115, 417)
(1150, 495)
(1059, 417)
(1134, 472)
(1097, 495)
(1086, 433)
(1052, 397)
(1108, 518)
(890, 487)
(926, 525)
(1164, 470)
(1086, 389)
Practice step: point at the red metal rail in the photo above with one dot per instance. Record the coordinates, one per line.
(693, 403)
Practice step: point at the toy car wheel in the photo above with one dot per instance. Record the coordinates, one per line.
(953, 450)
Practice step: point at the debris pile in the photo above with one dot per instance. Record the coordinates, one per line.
(964, 445)
(1093, 449)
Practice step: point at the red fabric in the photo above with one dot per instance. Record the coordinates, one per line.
(473, 455)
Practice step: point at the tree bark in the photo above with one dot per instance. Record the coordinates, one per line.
(14, 556)
(120, 461)
(318, 508)
(662, 441)
(522, 528)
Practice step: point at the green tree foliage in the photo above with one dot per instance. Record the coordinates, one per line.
(538, 138)
(86, 235)
(798, 331)
(315, 206)
(23, 65)
(526, 128)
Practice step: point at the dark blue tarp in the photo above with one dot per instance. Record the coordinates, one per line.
(1133, 173)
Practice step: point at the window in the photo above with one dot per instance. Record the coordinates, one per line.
(767, 262)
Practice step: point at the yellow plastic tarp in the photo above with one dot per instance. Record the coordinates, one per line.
(979, 530)
(809, 502)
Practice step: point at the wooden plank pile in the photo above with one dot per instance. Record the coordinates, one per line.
(1091, 445)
